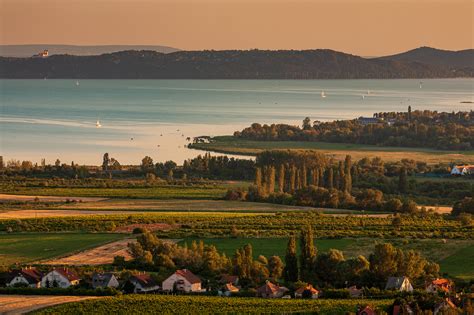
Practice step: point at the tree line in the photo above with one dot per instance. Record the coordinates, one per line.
(426, 129)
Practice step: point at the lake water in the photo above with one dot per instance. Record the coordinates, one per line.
(57, 118)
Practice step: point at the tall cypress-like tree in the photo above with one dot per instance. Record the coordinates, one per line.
(281, 178)
(270, 180)
(341, 175)
(402, 180)
(258, 177)
(321, 177)
(330, 179)
(290, 272)
(293, 178)
(304, 176)
(308, 251)
(347, 175)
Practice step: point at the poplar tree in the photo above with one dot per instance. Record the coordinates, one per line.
(342, 176)
(258, 180)
(281, 178)
(304, 177)
(308, 251)
(270, 179)
(293, 178)
(402, 180)
(321, 177)
(330, 179)
(347, 175)
(290, 272)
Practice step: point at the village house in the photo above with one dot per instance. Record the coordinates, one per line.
(61, 278)
(225, 278)
(104, 280)
(28, 276)
(143, 283)
(369, 120)
(354, 292)
(228, 289)
(307, 291)
(270, 290)
(399, 284)
(439, 285)
(462, 170)
(182, 280)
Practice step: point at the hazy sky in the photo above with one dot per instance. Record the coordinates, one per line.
(363, 27)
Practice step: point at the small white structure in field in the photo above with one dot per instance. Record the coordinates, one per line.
(182, 280)
(60, 278)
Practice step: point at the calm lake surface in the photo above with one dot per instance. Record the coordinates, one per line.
(57, 118)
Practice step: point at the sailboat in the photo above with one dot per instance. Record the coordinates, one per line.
(363, 96)
(421, 85)
(77, 83)
(97, 124)
(322, 94)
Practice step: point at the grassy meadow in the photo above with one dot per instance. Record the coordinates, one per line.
(231, 145)
(31, 247)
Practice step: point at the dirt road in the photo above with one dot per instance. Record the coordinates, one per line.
(21, 304)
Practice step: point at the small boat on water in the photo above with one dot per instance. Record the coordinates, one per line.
(77, 83)
(323, 95)
(97, 124)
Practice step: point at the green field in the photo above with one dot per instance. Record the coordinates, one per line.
(454, 256)
(231, 145)
(168, 304)
(460, 263)
(31, 247)
(160, 192)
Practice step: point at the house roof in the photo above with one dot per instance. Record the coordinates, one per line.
(441, 281)
(230, 287)
(145, 280)
(31, 274)
(188, 275)
(308, 287)
(101, 279)
(395, 282)
(229, 278)
(270, 288)
(67, 273)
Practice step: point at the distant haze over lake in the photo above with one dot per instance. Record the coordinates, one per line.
(57, 118)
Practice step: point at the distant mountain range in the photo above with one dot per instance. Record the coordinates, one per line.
(243, 64)
(30, 50)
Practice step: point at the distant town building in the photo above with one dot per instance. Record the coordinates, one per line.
(143, 283)
(463, 170)
(61, 278)
(29, 277)
(104, 280)
(307, 291)
(182, 280)
(270, 290)
(399, 284)
(42, 54)
(369, 120)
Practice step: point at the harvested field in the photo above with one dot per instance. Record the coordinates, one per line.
(9, 197)
(21, 304)
(101, 255)
(25, 214)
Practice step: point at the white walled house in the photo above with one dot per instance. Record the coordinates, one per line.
(182, 280)
(104, 280)
(27, 277)
(463, 170)
(399, 284)
(61, 278)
